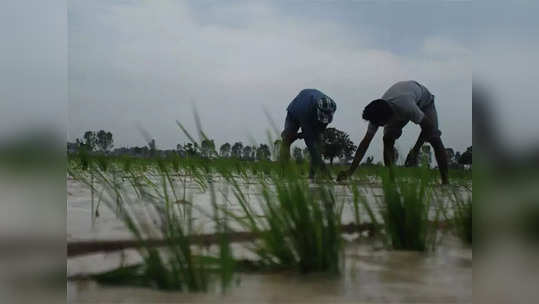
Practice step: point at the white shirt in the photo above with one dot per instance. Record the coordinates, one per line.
(407, 99)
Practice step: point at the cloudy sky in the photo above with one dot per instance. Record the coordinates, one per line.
(149, 63)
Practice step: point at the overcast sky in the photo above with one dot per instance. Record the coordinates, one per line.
(148, 63)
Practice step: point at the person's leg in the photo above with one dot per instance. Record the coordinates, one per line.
(437, 145)
(288, 136)
(312, 137)
(392, 132)
(424, 136)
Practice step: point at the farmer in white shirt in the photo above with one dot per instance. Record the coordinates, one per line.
(404, 101)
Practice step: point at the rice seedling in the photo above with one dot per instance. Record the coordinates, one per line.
(299, 227)
(177, 266)
(406, 210)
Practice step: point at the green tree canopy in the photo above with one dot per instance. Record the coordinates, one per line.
(90, 140)
(237, 150)
(334, 144)
(224, 150)
(207, 148)
(104, 140)
(263, 152)
(247, 150)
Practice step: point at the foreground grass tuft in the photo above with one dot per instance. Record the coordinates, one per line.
(406, 210)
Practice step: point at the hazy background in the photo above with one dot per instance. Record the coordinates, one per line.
(149, 62)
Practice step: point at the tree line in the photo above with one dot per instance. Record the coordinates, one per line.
(335, 144)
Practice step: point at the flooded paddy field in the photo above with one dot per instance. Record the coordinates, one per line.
(370, 272)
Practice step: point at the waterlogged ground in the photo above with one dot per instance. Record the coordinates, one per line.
(106, 226)
(372, 274)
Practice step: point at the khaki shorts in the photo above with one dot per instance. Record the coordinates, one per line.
(393, 129)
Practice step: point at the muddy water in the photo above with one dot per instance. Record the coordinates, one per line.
(370, 275)
(81, 226)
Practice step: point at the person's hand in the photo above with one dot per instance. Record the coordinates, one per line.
(343, 175)
(411, 159)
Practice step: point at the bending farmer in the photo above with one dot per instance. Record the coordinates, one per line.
(402, 102)
(311, 111)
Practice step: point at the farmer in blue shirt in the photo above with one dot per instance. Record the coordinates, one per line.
(311, 111)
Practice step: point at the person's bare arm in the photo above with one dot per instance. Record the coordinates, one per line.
(360, 152)
(388, 151)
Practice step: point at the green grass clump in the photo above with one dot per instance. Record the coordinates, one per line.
(405, 213)
(156, 213)
(299, 226)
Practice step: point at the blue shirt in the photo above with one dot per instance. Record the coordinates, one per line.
(303, 107)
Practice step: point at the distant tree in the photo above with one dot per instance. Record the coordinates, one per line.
(263, 152)
(180, 150)
(104, 140)
(191, 149)
(90, 140)
(298, 155)
(334, 142)
(349, 150)
(207, 148)
(237, 150)
(466, 157)
(247, 150)
(224, 150)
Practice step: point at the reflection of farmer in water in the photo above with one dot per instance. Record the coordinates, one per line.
(311, 111)
(402, 102)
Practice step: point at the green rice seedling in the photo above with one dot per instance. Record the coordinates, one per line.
(227, 264)
(406, 210)
(178, 265)
(298, 226)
